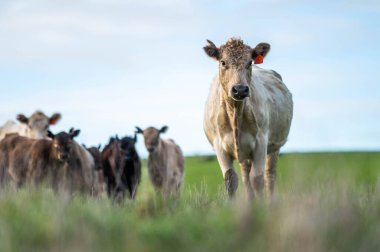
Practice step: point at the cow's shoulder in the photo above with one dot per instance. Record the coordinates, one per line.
(266, 74)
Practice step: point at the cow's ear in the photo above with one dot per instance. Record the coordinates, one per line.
(139, 130)
(211, 50)
(49, 134)
(259, 52)
(164, 129)
(22, 118)
(74, 133)
(54, 118)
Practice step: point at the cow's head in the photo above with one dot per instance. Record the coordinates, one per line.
(38, 123)
(151, 137)
(127, 146)
(63, 144)
(235, 65)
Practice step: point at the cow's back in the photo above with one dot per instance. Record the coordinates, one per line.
(12, 127)
(274, 105)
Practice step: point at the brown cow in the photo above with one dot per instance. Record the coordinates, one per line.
(99, 183)
(33, 161)
(165, 161)
(247, 116)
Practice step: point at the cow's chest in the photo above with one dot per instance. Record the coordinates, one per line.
(241, 148)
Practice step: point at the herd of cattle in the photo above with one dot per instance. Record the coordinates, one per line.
(30, 154)
(247, 118)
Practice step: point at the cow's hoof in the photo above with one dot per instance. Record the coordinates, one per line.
(231, 182)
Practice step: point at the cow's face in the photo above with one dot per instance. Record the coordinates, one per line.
(151, 137)
(235, 65)
(127, 146)
(38, 123)
(63, 144)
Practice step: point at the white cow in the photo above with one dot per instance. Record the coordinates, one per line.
(35, 126)
(248, 115)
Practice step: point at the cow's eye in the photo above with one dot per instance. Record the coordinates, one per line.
(223, 63)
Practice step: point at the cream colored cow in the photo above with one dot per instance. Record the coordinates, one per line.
(247, 116)
(35, 126)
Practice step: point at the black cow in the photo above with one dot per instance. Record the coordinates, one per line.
(121, 167)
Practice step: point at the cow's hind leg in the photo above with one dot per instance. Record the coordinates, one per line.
(258, 165)
(245, 169)
(270, 172)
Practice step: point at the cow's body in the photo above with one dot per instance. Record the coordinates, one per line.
(99, 183)
(249, 126)
(166, 167)
(267, 113)
(25, 160)
(82, 171)
(121, 168)
(35, 126)
(35, 161)
(165, 161)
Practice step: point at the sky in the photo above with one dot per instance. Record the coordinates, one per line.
(111, 65)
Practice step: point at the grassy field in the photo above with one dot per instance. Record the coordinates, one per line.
(324, 202)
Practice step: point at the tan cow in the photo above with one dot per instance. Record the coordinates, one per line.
(165, 162)
(247, 116)
(35, 126)
(33, 161)
(61, 160)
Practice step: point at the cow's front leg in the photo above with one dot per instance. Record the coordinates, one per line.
(230, 177)
(258, 164)
(245, 170)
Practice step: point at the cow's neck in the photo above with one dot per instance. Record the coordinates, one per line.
(235, 112)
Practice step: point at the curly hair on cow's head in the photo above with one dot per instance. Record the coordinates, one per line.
(235, 49)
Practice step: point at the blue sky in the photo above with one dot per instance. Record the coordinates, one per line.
(110, 65)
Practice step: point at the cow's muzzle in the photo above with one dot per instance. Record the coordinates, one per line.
(239, 92)
(63, 157)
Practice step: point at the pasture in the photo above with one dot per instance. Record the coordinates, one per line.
(324, 202)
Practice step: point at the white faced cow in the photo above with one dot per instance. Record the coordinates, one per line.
(248, 115)
(36, 126)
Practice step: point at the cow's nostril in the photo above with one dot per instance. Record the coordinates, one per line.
(246, 90)
(235, 90)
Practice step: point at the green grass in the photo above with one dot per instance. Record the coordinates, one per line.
(324, 202)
